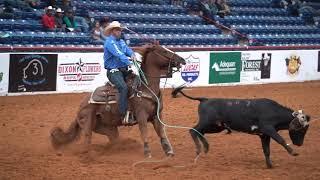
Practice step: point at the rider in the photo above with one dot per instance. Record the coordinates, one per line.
(116, 62)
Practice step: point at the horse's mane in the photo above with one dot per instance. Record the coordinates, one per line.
(144, 49)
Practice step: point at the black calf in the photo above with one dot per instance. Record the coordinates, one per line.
(262, 117)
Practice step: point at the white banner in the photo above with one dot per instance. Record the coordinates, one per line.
(279, 66)
(294, 65)
(80, 72)
(4, 74)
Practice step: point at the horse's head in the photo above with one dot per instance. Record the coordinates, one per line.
(167, 60)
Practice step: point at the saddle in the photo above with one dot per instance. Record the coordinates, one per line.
(108, 94)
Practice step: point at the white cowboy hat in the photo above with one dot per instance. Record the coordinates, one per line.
(59, 10)
(112, 25)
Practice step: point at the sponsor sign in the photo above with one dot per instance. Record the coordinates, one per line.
(265, 65)
(190, 71)
(80, 72)
(32, 72)
(293, 64)
(4, 73)
(224, 67)
(255, 66)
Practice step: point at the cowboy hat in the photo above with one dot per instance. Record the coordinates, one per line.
(59, 10)
(111, 26)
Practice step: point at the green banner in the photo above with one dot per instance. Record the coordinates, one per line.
(224, 67)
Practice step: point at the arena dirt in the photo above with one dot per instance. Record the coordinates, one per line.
(26, 152)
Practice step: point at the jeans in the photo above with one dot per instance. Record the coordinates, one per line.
(118, 79)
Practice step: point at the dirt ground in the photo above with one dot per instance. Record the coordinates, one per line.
(26, 153)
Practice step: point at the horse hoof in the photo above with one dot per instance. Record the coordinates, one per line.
(148, 155)
(170, 153)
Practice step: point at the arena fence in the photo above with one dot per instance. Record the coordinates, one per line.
(34, 70)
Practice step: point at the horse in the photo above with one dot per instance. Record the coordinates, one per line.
(157, 62)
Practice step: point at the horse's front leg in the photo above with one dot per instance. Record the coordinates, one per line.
(159, 128)
(142, 117)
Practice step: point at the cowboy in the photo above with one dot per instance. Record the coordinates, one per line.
(117, 63)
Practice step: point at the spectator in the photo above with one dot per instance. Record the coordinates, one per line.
(7, 11)
(66, 5)
(48, 20)
(293, 7)
(208, 8)
(52, 3)
(60, 25)
(19, 4)
(82, 23)
(35, 4)
(223, 8)
(71, 24)
(104, 22)
(96, 33)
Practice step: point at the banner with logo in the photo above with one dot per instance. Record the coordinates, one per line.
(294, 65)
(80, 72)
(224, 67)
(255, 67)
(32, 72)
(4, 74)
(194, 72)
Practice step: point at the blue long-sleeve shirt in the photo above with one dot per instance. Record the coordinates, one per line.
(116, 53)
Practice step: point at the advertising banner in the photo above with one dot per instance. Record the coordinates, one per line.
(224, 67)
(32, 72)
(194, 72)
(255, 67)
(4, 74)
(80, 72)
(294, 65)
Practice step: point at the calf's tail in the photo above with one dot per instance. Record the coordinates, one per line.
(178, 90)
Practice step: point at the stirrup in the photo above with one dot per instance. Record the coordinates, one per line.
(125, 120)
(128, 119)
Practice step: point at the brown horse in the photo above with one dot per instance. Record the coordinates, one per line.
(157, 62)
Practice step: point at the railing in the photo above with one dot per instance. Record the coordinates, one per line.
(177, 48)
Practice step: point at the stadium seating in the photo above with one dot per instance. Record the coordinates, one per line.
(171, 25)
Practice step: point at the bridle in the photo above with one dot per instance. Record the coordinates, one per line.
(170, 69)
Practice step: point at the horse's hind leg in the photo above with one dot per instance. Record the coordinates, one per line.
(159, 128)
(110, 131)
(86, 121)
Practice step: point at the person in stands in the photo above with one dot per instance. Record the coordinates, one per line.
(96, 33)
(48, 20)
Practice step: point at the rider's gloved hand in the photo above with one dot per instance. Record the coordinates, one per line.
(133, 57)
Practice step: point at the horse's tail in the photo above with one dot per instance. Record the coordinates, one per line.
(59, 137)
(178, 90)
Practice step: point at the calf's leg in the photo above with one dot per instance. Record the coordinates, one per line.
(265, 140)
(270, 131)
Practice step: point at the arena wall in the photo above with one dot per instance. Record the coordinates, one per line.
(49, 72)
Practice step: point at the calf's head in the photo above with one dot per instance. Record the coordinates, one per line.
(298, 127)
